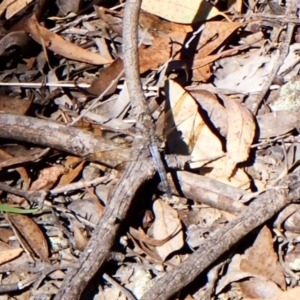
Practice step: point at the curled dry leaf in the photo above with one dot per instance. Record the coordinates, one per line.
(142, 247)
(30, 233)
(142, 237)
(165, 224)
(47, 177)
(213, 35)
(241, 130)
(71, 173)
(60, 46)
(15, 38)
(106, 76)
(188, 131)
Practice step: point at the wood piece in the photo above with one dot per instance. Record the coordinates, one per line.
(61, 137)
(131, 58)
(209, 191)
(132, 73)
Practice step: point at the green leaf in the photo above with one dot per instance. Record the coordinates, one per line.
(12, 209)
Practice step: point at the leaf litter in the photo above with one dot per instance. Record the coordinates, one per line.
(201, 68)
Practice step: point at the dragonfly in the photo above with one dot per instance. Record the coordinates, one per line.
(155, 153)
(120, 140)
(119, 148)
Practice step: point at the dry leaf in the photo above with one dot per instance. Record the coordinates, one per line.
(30, 155)
(71, 174)
(261, 259)
(142, 237)
(153, 22)
(60, 46)
(213, 36)
(106, 76)
(241, 130)
(90, 209)
(15, 7)
(165, 224)
(31, 233)
(67, 6)
(5, 4)
(47, 177)
(188, 12)
(211, 105)
(79, 238)
(277, 123)
(259, 287)
(5, 234)
(202, 62)
(11, 105)
(8, 255)
(238, 179)
(15, 38)
(191, 132)
(292, 258)
(155, 55)
(291, 294)
(21, 170)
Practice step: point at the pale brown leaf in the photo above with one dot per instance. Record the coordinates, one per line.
(8, 255)
(57, 44)
(291, 294)
(71, 173)
(190, 132)
(277, 123)
(31, 233)
(12, 105)
(142, 237)
(241, 130)
(79, 238)
(47, 177)
(182, 12)
(165, 223)
(261, 259)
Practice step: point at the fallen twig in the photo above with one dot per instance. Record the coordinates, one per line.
(136, 172)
